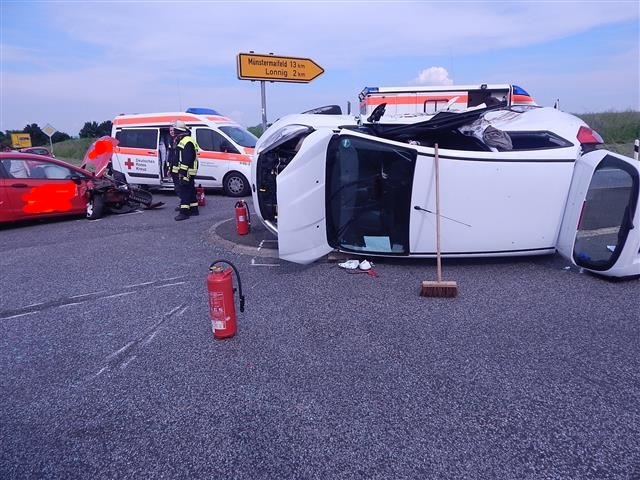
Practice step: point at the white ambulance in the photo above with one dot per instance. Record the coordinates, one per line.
(414, 100)
(224, 158)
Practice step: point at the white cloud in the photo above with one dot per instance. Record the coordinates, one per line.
(432, 76)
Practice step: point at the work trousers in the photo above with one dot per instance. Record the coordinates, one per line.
(176, 183)
(187, 193)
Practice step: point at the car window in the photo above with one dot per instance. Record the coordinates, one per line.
(35, 169)
(37, 151)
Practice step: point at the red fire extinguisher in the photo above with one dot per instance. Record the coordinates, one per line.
(221, 301)
(200, 196)
(242, 218)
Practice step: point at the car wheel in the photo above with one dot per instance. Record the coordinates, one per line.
(236, 185)
(121, 208)
(95, 207)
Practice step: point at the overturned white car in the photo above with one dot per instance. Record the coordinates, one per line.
(516, 180)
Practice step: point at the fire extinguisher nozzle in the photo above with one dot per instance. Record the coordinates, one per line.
(242, 303)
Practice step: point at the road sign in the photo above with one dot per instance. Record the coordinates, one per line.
(277, 69)
(49, 130)
(20, 140)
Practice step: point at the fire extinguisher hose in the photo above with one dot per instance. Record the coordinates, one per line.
(248, 214)
(237, 277)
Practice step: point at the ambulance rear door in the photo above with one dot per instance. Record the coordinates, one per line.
(136, 156)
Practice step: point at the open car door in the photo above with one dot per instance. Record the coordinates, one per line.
(600, 230)
(302, 231)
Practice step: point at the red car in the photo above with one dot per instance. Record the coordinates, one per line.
(35, 186)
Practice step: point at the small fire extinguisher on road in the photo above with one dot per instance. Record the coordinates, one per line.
(221, 299)
(200, 196)
(242, 218)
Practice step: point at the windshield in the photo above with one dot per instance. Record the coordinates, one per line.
(241, 136)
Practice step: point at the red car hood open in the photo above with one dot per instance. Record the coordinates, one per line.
(99, 154)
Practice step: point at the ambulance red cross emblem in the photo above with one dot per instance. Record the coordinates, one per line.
(129, 163)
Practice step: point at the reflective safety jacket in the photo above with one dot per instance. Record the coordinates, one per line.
(187, 161)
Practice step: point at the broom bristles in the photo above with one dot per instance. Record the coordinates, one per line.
(439, 289)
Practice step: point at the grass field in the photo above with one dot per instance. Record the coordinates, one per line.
(73, 150)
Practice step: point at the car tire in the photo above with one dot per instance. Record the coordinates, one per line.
(235, 184)
(120, 209)
(95, 207)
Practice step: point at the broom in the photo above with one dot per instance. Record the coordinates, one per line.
(438, 288)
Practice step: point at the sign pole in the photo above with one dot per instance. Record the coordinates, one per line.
(264, 105)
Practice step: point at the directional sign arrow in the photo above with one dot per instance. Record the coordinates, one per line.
(277, 69)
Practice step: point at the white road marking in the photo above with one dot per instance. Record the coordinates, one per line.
(151, 337)
(254, 264)
(138, 284)
(71, 304)
(117, 352)
(182, 311)
(262, 242)
(117, 295)
(20, 315)
(170, 284)
(124, 365)
(35, 304)
(87, 294)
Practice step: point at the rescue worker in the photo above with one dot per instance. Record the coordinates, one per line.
(172, 162)
(184, 167)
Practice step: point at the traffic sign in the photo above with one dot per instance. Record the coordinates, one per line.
(277, 69)
(49, 130)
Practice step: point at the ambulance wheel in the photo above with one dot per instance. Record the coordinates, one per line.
(95, 207)
(235, 185)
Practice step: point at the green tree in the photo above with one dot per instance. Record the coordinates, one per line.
(104, 128)
(257, 130)
(38, 137)
(59, 137)
(89, 130)
(95, 130)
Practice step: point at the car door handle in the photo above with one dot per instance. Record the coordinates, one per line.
(152, 152)
(19, 185)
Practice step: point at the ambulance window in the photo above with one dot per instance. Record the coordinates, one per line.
(240, 136)
(211, 141)
(138, 138)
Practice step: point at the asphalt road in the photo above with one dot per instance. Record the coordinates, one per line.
(109, 368)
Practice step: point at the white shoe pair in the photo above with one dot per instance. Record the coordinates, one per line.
(353, 264)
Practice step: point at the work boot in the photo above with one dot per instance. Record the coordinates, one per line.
(193, 211)
(182, 216)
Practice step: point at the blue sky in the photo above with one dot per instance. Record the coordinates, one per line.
(67, 62)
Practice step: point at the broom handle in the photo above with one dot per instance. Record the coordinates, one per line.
(438, 261)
